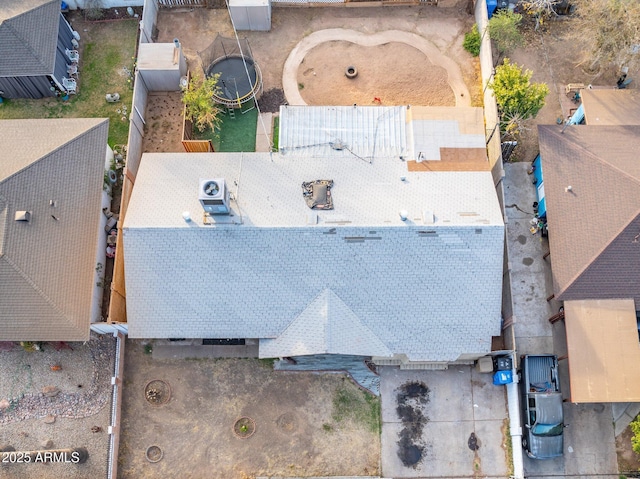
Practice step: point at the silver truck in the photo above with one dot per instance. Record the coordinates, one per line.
(541, 404)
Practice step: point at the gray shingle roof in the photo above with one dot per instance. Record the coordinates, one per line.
(327, 325)
(47, 265)
(28, 37)
(594, 226)
(431, 291)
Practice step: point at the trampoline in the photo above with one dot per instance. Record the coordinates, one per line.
(240, 78)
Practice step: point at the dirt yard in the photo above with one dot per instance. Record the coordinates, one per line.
(555, 56)
(52, 399)
(382, 79)
(305, 424)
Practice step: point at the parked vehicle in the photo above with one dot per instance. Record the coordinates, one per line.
(541, 403)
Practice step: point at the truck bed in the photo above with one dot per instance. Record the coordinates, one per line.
(540, 370)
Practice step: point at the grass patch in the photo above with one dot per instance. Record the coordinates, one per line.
(236, 134)
(276, 133)
(351, 402)
(267, 362)
(111, 47)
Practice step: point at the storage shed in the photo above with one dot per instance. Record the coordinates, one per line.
(34, 41)
(254, 15)
(161, 65)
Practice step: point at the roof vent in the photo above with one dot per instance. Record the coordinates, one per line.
(23, 216)
(214, 196)
(427, 217)
(317, 194)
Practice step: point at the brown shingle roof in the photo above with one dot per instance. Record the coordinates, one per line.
(47, 265)
(594, 226)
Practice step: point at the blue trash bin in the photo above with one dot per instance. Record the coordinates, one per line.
(491, 7)
(502, 377)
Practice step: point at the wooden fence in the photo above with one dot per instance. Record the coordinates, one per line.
(190, 144)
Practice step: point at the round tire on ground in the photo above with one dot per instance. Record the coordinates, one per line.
(351, 72)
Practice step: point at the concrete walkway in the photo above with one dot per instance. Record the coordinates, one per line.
(290, 71)
(264, 130)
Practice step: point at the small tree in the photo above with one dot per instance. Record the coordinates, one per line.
(198, 99)
(471, 41)
(518, 99)
(503, 29)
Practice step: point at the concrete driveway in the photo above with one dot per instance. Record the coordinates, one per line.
(589, 440)
(441, 411)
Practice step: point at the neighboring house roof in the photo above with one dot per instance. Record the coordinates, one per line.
(611, 106)
(354, 280)
(53, 169)
(28, 37)
(592, 188)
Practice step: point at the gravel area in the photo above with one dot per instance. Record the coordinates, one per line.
(56, 398)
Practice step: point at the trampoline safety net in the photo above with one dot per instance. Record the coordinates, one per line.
(240, 79)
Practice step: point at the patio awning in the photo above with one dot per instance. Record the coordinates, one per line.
(603, 349)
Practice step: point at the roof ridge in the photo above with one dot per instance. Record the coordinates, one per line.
(36, 288)
(54, 149)
(25, 42)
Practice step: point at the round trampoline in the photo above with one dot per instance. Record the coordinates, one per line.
(235, 87)
(240, 79)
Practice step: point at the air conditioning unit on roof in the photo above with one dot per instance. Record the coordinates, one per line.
(214, 196)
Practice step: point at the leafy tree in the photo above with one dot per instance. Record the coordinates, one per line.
(198, 99)
(503, 29)
(471, 41)
(518, 99)
(609, 31)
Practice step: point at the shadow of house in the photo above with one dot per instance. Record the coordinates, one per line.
(51, 194)
(34, 40)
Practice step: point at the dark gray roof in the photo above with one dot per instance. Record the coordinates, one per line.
(47, 265)
(592, 188)
(28, 37)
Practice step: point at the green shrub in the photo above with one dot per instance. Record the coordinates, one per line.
(635, 439)
(471, 41)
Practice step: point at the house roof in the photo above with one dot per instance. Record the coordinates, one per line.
(602, 344)
(424, 134)
(611, 106)
(47, 264)
(28, 37)
(326, 326)
(592, 188)
(278, 270)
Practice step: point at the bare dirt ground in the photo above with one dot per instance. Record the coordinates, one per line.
(163, 128)
(56, 398)
(394, 73)
(296, 433)
(628, 460)
(382, 79)
(555, 56)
